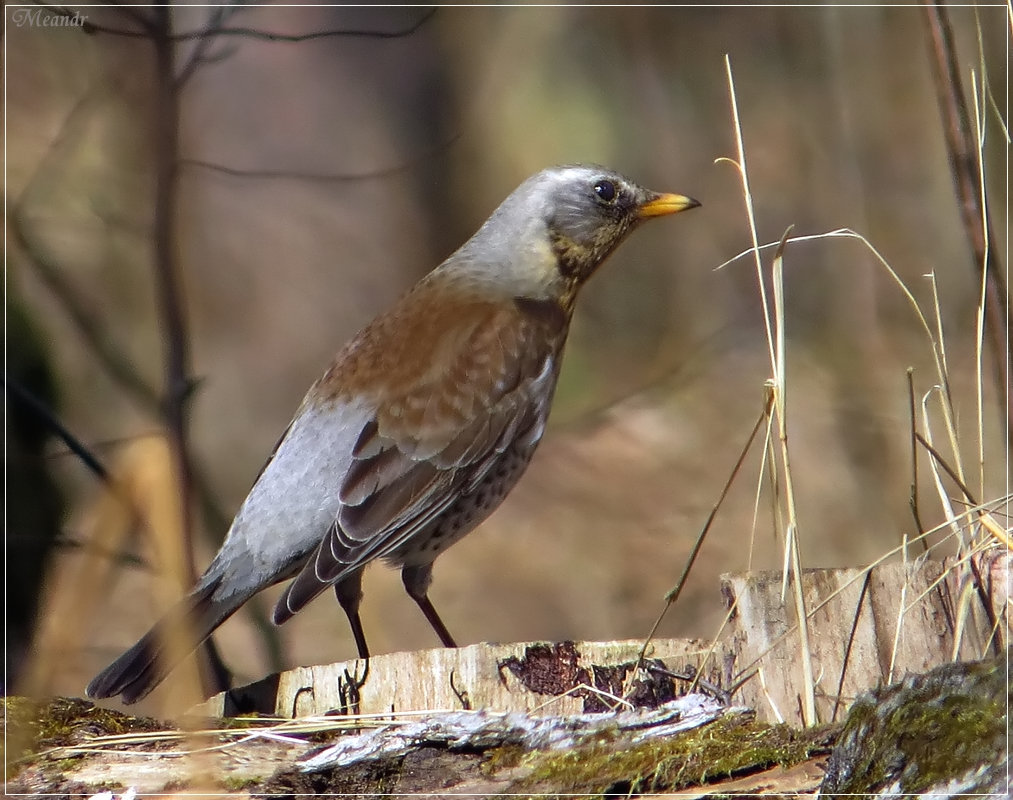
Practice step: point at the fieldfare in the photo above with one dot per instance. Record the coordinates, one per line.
(421, 426)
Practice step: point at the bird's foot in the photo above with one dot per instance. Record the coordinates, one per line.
(349, 686)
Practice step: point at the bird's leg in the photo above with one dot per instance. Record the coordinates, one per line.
(349, 594)
(416, 582)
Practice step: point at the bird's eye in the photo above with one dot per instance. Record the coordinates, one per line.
(605, 191)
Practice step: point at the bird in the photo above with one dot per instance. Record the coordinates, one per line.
(423, 423)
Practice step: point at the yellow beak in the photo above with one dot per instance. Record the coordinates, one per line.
(662, 204)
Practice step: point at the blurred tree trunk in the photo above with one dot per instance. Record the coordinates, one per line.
(34, 503)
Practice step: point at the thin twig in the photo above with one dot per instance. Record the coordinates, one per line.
(267, 35)
(946, 468)
(218, 16)
(116, 365)
(851, 641)
(149, 28)
(29, 401)
(912, 415)
(323, 177)
(974, 212)
(673, 594)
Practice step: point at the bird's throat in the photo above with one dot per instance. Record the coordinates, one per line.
(552, 314)
(573, 261)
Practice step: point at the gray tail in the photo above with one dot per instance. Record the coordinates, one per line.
(145, 665)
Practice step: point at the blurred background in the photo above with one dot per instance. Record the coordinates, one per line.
(319, 178)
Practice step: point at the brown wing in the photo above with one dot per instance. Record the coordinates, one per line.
(445, 413)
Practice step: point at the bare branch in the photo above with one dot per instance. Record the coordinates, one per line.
(339, 177)
(254, 33)
(169, 296)
(199, 54)
(94, 338)
(246, 32)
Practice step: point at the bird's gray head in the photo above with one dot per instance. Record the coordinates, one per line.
(557, 227)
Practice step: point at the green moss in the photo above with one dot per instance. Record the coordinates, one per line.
(63, 765)
(32, 726)
(726, 748)
(237, 784)
(953, 732)
(503, 757)
(925, 730)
